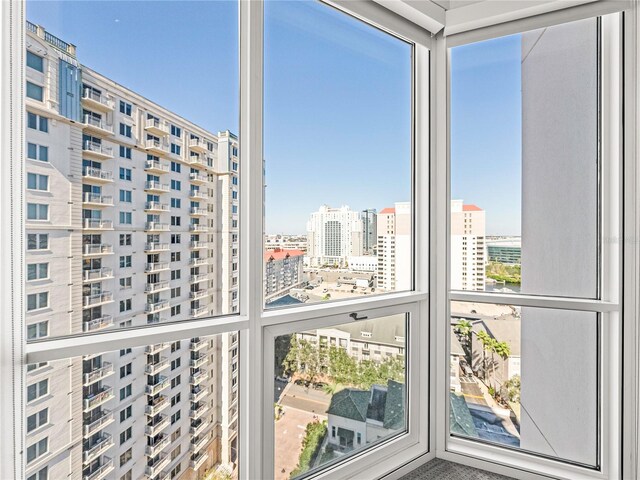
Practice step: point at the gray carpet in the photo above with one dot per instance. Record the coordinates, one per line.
(441, 470)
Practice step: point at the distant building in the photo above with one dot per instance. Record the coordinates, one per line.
(333, 235)
(369, 231)
(285, 242)
(504, 250)
(282, 272)
(467, 246)
(363, 263)
(394, 247)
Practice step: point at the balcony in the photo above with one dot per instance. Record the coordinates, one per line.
(198, 377)
(154, 166)
(156, 207)
(197, 195)
(105, 419)
(198, 228)
(157, 147)
(103, 443)
(97, 224)
(96, 150)
(97, 299)
(198, 178)
(159, 404)
(99, 471)
(96, 274)
(96, 101)
(155, 127)
(199, 245)
(198, 145)
(197, 427)
(156, 247)
(160, 384)
(156, 267)
(157, 348)
(157, 306)
(197, 161)
(154, 368)
(198, 443)
(198, 211)
(195, 295)
(156, 287)
(198, 278)
(159, 423)
(198, 312)
(98, 200)
(199, 360)
(158, 446)
(198, 345)
(198, 394)
(155, 467)
(104, 395)
(197, 262)
(156, 227)
(98, 374)
(96, 126)
(96, 249)
(198, 460)
(97, 323)
(97, 175)
(156, 187)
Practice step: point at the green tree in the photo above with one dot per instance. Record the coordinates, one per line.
(343, 368)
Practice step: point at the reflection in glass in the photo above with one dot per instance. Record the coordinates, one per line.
(338, 390)
(525, 378)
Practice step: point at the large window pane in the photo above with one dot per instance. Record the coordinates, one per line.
(526, 378)
(338, 390)
(337, 122)
(525, 162)
(168, 410)
(141, 105)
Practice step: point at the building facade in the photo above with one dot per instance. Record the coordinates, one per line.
(369, 231)
(468, 256)
(282, 272)
(394, 247)
(333, 235)
(132, 219)
(504, 250)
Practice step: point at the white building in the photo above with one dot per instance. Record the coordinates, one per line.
(282, 272)
(363, 263)
(394, 247)
(131, 219)
(333, 235)
(468, 256)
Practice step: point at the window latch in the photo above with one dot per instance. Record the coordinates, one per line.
(355, 316)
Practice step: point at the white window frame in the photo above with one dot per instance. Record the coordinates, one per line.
(257, 327)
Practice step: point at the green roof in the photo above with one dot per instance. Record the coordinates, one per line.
(350, 403)
(460, 419)
(394, 407)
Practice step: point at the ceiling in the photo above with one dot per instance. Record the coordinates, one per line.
(451, 4)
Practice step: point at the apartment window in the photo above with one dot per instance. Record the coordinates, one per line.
(125, 261)
(125, 239)
(175, 363)
(37, 181)
(175, 238)
(37, 449)
(37, 152)
(175, 184)
(37, 301)
(125, 218)
(125, 305)
(37, 330)
(125, 108)
(234, 195)
(37, 420)
(175, 453)
(175, 346)
(126, 413)
(175, 221)
(35, 92)
(125, 130)
(175, 292)
(234, 180)
(37, 271)
(125, 152)
(37, 390)
(125, 370)
(175, 417)
(175, 400)
(125, 392)
(176, 131)
(35, 61)
(175, 382)
(37, 211)
(125, 282)
(37, 241)
(126, 457)
(125, 173)
(127, 476)
(125, 435)
(42, 474)
(175, 167)
(175, 203)
(176, 149)
(175, 275)
(175, 310)
(125, 196)
(37, 122)
(175, 471)
(175, 256)
(125, 351)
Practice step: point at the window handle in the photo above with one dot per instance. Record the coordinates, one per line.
(355, 316)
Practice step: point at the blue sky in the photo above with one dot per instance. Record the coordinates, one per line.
(337, 98)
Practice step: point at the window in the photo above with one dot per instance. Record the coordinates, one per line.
(125, 370)
(176, 131)
(37, 122)
(125, 196)
(175, 256)
(125, 218)
(125, 130)
(175, 275)
(175, 400)
(175, 417)
(126, 413)
(37, 271)
(175, 221)
(35, 91)
(176, 149)
(126, 282)
(125, 435)
(37, 152)
(125, 305)
(37, 390)
(175, 167)
(125, 392)
(37, 182)
(175, 364)
(125, 108)
(37, 420)
(37, 449)
(37, 330)
(175, 381)
(35, 61)
(125, 239)
(175, 310)
(37, 241)
(175, 238)
(37, 301)
(37, 211)
(42, 474)
(125, 152)
(125, 173)
(126, 457)
(175, 184)
(125, 261)
(175, 292)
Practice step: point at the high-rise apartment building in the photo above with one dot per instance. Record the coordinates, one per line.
(282, 272)
(467, 246)
(132, 219)
(369, 232)
(394, 247)
(333, 235)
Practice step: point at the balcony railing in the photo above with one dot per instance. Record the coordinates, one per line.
(156, 166)
(97, 198)
(156, 145)
(97, 98)
(156, 287)
(198, 460)
(157, 206)
(198, 278)
(97, 323)
(97, 174)
(100, 471)
(197, 194)
(156, 348)
(92, 121)
(157, 425)
(153, 368)
(196, 413)
(97, 224)
(196, 262)
(160, 384)
(198, 211)
(198, 377)
(195, 295)
(97, 274)
(198, 393)
(154, 125)
(97, 249)
(99, 373)
(155, 468)
(97, 299)
(103, 442)
(198, 227)
(156, 247)
(197, 145)
(196, 312)
(198, 345)
(158, 446)
(159, 404)
(197, 177)
(157, 306)
(197, 427)
(198, 245)
(97, 148)
(198, 443)
(199, 360)
(156, 186)
(156, 226)
(105, 419)
(156, 266)
(104, 395)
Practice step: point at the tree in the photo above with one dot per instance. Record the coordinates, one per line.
(486, 340)
(342, 367)
(464, 330)
(291, 362)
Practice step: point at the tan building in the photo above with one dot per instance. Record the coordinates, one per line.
(393, 227)
(468, 255)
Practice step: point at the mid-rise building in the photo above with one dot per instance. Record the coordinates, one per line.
(282, 272)
(333, 235)
(504, 250)
(394, 247)
(132, 219)
(468, 256)
(369, 231)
